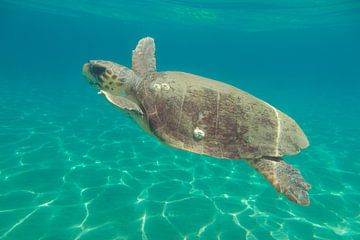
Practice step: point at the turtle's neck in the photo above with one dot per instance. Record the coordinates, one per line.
(129, 81)
(129, 88)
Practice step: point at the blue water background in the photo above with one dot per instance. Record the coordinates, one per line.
(74, 167)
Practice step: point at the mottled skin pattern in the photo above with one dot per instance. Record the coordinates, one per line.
(236, 125)
(109, 76)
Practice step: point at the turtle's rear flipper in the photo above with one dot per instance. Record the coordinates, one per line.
(285, 178)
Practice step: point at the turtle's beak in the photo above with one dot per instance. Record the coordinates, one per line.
(85, 68)
(92, 72)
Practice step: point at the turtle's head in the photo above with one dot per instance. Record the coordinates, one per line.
(109, 76)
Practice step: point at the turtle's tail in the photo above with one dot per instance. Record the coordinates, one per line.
(285, 178)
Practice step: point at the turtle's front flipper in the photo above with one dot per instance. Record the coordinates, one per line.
(122, 103)
(285, 178)
(143, 57)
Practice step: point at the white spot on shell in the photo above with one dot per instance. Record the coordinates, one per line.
(156, 87)
(165, 86)
(198, 133)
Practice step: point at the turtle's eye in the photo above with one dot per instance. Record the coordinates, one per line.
(96, 69)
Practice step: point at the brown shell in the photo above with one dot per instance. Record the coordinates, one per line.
(236, 124)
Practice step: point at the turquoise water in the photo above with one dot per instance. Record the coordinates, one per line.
(74, 167)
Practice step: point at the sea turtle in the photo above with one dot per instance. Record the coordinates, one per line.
(204, 116)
